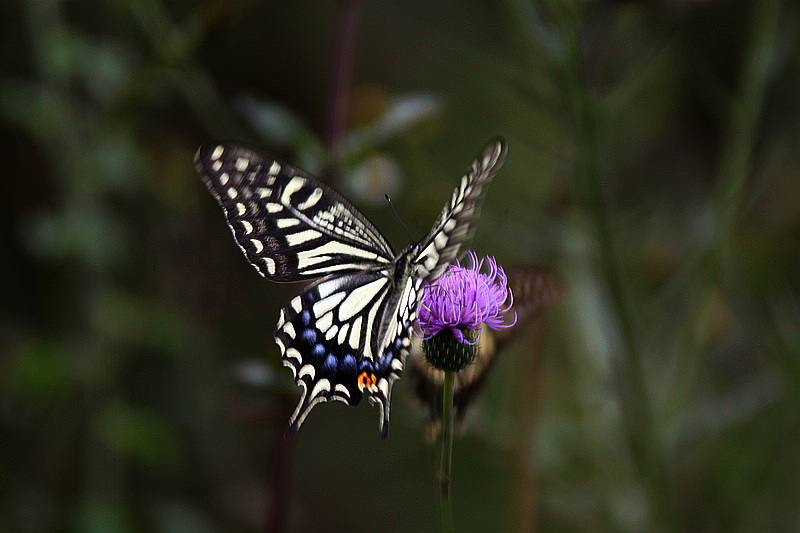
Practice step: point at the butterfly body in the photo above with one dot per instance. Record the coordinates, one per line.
(348, 331)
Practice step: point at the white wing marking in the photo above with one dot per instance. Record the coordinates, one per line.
(359, 297)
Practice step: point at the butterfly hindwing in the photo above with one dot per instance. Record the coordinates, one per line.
(350, 330)
(289, 225)
(331, 336)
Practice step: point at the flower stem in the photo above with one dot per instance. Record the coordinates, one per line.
(447, 451)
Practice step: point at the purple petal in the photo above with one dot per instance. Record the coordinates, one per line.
(466, 298)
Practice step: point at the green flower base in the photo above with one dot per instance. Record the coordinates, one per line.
(445, 352)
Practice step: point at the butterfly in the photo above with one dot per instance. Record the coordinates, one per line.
(348, 331)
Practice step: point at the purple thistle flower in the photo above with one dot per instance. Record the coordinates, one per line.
(465, 298)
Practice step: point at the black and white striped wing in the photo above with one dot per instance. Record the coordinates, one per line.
(348, 331)
(456, 223)
(290, 226)
(347, 334)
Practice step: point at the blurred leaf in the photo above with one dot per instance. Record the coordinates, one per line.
(38, 371)
(254, 373)
(372, 178)
(714, 318)
(181, 517)
(99, 514)
(281, 129)
(139, 434)
(88, 233)
(276, 124)
(396, 116)
(36, 108)
(113, 163)
(403, 112)
(138, 321)
(104, 67)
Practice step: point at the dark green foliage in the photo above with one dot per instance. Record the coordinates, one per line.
(652, 162)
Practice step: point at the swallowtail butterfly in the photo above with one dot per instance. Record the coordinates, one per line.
(348, 331)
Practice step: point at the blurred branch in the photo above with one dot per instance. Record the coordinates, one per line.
(175, 46)
(735, 159)
(341, 75)
(644, 444)
(734, 167)
(784, 313)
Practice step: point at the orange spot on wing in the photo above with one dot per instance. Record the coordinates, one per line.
(366, 381)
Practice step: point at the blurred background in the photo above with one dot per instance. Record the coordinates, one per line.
(652, 169)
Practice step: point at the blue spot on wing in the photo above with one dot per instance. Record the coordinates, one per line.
(309, 336)
(349, 365)
(318, 351)
(330, 364)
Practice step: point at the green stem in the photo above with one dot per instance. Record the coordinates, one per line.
(736, 155)
(639, 425)
(734, 166)
(447, 451)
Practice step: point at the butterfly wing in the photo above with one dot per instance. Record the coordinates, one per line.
(332, 337)
(289, 225)
(456, 223)
(334, 334)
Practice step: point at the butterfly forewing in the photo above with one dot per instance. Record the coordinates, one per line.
(289, 225)
(349, 331)
(456, 223)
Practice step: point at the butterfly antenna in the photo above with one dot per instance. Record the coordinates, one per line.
(391, 205)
